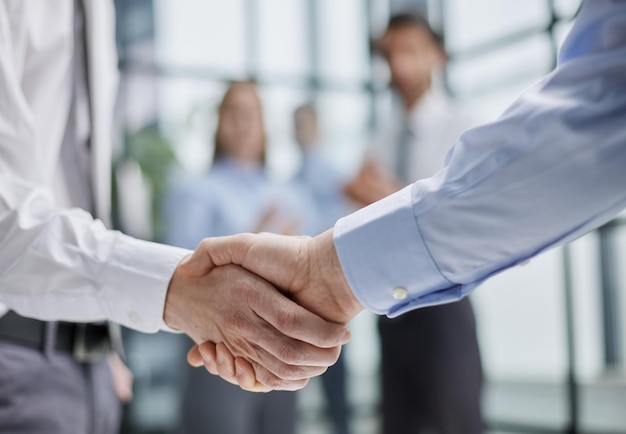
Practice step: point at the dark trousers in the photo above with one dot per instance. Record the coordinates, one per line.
(431, 372)
(213, 406)
(51, 393)
(334, 381)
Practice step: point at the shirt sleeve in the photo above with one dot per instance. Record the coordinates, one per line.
(61, 264)
(551, 168)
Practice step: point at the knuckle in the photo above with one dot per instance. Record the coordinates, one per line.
(271, 380)
(287, 372)
(204, 244)
(292, 355)
(286, 320)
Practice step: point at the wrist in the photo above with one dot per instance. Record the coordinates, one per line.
(326, 260)
(173, 313)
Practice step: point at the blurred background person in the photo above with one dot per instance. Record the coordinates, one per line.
(235, 196)
(433, 384)
(324, 184)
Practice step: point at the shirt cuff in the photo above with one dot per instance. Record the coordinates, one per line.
(136, 281)
(385, 260)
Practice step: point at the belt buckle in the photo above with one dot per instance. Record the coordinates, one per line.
(86, 351)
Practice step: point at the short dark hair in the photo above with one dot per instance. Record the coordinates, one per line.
(417, 20)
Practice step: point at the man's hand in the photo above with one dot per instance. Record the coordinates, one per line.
(306, 269)
(371, 184)
(282, 343)
(122, 379)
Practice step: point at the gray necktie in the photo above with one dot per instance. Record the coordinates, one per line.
(82, 123)
(403, 155)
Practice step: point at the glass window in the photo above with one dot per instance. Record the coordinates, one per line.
(566, 8)
(284, 37)
(208, 33)
(500, 68)
(188, 118)
(470, 24)
(279, 104)
(620, 260)
(521, 329)
(344, 119)
(343, 40)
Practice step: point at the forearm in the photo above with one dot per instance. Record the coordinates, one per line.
(63, 265)
(550, 169)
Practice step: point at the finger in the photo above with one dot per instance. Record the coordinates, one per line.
(273, 382)
(225, 362)
(199, 263)
(208, 353)
(284, 357)
(194, 358)
(296, 322)
(244, 373)
(273, 322)
(279, 375)
(209, 357)
(287, 357)
(271, 260)
(246, 377)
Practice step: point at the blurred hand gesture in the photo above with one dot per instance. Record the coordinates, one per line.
(371, 184)
(272, 221)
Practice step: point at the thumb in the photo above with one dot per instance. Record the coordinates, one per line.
(194, 357)
(199, 263)
(270, 256)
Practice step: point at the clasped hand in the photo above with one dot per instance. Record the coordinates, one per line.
(268, 312)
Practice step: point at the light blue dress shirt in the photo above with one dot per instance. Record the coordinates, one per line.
(230, 199)
(551, 168)
(322, 186)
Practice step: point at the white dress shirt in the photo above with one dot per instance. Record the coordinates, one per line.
(551, 168)
(434, 124)
(57, 262)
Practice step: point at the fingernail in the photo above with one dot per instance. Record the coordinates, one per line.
(220, 359)
(238, 373)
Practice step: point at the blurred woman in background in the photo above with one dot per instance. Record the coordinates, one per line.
(235, 196)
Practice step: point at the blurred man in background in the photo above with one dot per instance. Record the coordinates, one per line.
(433, 384)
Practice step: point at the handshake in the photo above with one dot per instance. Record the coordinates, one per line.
(267, 312)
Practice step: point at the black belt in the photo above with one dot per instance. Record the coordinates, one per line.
(85, 342)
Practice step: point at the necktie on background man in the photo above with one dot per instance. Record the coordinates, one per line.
(406, 140)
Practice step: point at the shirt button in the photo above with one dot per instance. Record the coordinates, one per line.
(134, 317)
(399, 293)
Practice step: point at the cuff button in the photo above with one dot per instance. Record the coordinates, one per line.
(399, 293)
(134, 317)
